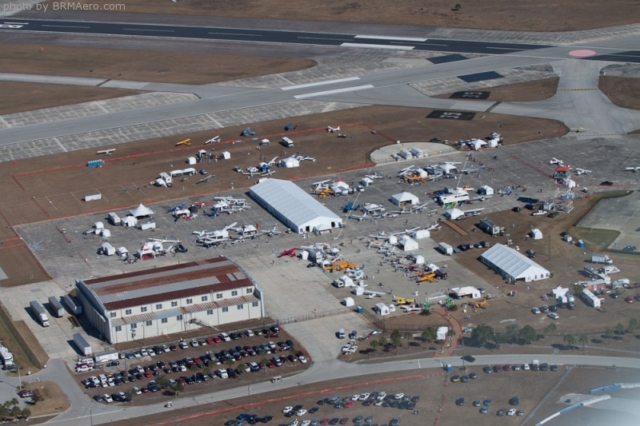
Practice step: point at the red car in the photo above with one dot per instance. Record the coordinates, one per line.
(271, 335)
(271, 365)
(506, 368)
(210, 341)
(348, 404)
(148, 374)
(25, 393)
(216, 339)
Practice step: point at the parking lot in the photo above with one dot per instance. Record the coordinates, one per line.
(198, 365)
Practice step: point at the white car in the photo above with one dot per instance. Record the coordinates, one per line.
(535, 311)
(151, 352)
(249, 333)
(166, 348)
(137, 390)
(301, 412)
(194, 343)
(399, 395)
(355, 397)
(526, 367)
(294, 423)
(144, 352)
(305, 423)
(110, 381)
(364, 396)
(287, 410)
(378, 403)
(511, 412)
(302, 359)
(382, 395)
(107, 398)
(553, 315)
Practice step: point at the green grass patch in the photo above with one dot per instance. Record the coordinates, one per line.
(594, 238)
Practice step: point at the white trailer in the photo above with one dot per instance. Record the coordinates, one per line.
(73, 307)
(56, 307)
(39, 313)
(106, 356)
(81, 343)
(93, 197)
(445, 249)
(591, 299)
(114, 219)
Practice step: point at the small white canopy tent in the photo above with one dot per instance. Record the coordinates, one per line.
(536, 234)
(408, 243)
(404, 198)
(129, 221)
(141, 211)
(290, 162)
(453, 214)
(381, 309)
(476, 144)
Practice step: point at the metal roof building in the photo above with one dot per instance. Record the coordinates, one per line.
(169, 299)
(292, 206)
(513, 265)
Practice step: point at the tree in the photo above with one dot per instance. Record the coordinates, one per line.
(230, 363)
(206, 371)
(457, 7)
(374, 345)
(26, 413)
(619, 328)
(570, 339)
(482, 334)
(382, 341)
(162, 382)
(36, 397)
(633, 325)
(194, 367)
(583, 340)
(408, 335)
(512, 333)
(430, 333)
(608, 333)
(551, 328)
(451, 334)
(177, 388)
(396, 339)
(578, 288)
(527, 334)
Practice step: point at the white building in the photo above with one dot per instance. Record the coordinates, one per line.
(295, 208)
(408, 243)
(404, 198)
(141, 211)
(441, 333)
(290, 162)
(381, 309)
(171, 299)
(470, 292)
(513, 265)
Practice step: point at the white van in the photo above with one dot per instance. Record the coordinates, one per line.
(276, 379)
(341, 333)
(287, 142)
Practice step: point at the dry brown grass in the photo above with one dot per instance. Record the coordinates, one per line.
(54, 401)
(542, 15)
(623, 92)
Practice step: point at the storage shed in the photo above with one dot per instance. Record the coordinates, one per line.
(485, 190)
(441, 333)
(470, 292)
(295, 208)
(404, 198)
(348, 301)
(536, 234)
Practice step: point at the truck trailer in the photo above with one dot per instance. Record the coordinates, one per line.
(39, 312)
(73, 307)
(601, 258)
(56, 307)
(83, 346)
(445, 249)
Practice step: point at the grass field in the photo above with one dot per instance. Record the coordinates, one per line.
(54, 401)
(19, 355)
(595, 239)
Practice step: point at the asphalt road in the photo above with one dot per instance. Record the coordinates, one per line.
(318, 373)
(266, 36)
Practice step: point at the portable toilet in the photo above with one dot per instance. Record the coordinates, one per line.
(226, 155)
(448, 368)
(580, 244)
(191, 160)
(358, 309)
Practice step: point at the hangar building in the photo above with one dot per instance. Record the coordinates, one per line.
(513, 265)
(296, 209)
(170, 299)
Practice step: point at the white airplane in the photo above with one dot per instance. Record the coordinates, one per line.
(632, 169)
(375, 176)
(333, 129)
(106, 151)
(213, 140)
(269, 173)
(554, 160)
(271, 232)
(582, 171)
(406, 170)
(321, 184)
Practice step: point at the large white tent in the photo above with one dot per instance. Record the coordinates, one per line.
(404, 198)
(295, 208)
(513, 265)
(141, 211)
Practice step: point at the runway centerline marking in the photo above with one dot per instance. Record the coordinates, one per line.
(377, 46)
(238, 34)
(320, 83)
(331, 92)
(142, 29)
(373, 37)
(64, 26)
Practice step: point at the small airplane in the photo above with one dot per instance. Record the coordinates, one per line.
(375, 176)
(333, 129)
(106, 151)
(632, 169)
(213, 140)
(321, 184)
(173, 209)
(291, 252)
(185, 142)
(582, 171)
(205, 179)
(554, 160)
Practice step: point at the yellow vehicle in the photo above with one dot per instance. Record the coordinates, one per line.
(403, 301)
(325, 193)
(413, 178)
(185, 142)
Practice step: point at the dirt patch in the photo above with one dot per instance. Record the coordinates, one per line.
(140, 65)
(53, 400)
(16, 336)
(623, 92)
(520, 92)
(20, 266)
(20, 97)
(546, 15)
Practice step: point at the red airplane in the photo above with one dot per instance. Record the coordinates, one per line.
(291, 252)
